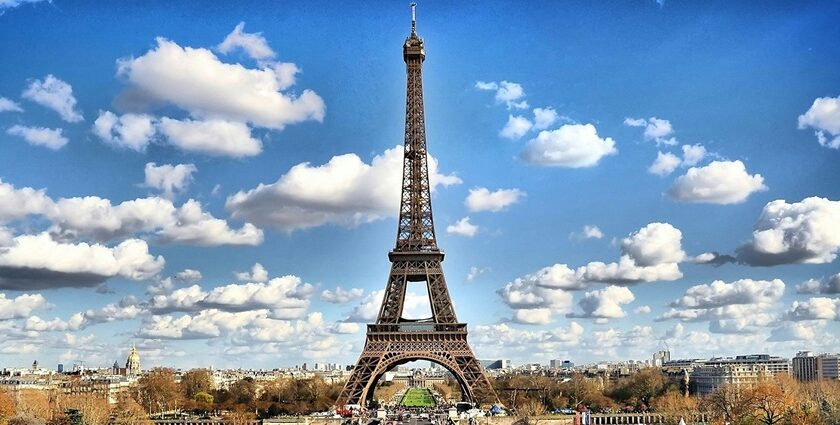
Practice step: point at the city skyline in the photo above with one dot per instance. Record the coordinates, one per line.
(219, 185)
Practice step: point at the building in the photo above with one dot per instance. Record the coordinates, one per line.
(132, 364)
(496, 364)
(806, 366)
(810, 367)
(741, 371)
(660, 358)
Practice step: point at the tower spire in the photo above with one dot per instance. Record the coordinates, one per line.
(414, 18)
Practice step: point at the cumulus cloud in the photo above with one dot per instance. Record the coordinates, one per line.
(643, 309)
(341, 296)
(516, 127)
(195, 80)
(286, 297)
(39, 262)
(826, 286)
(544, 118)
(508, 93)
(40, 136)
(21, 306)
(54, 94)
(571, 145)
(664, 164)
(130, 131)
(211, 137)
(482, 199)
(99, 219)
(258, 274)
(8, 105)
(720, 293)
(742, 306)
(169, 178)
(345, 191)
(604, 303)
(824, 117)
(591, 232)
(798, 232)
(650, 254)
(692, 154)
(792, 331)
(656, 129)
(462, 227)
(818, 308)
(254, 44)
(720, 182)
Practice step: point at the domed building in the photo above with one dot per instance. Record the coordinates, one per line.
(132, 365)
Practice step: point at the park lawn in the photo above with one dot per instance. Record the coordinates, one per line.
(418, 397)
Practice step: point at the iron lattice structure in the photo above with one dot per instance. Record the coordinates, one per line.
(393, 340)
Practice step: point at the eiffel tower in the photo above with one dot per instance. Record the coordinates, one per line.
(393, 340)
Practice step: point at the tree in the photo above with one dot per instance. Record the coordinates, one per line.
(93, 409)
(195, 381)
(34, 404)
(771, 405)
(129, 412)
(673, 405)
(7, 408)
(243, 391)
(157, 391)
(729, 403)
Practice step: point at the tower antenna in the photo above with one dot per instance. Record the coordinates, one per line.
(414, 18)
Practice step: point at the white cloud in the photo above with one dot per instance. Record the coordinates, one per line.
(604, 303)
(131, 131)
(571, 145)
(824, 117)
(544, 118)
(591, 232)
(7, 105)
(720, 293)
(818, 308)
(827, 286)
(799, 232)
(720, 182)
(169, 178)
(285, 297)
(533, 302)
(18, 203)
(258, 274)
(462, 227)
(742, 306)
(516, 127)
(482, 85)
(40, 136)
(195, 80)
(10, 4)
(414, 306)
(656, 129)
(475, 272)
(344, 191)
(254, 44)
(98, 219)
(664, 164)
(794, 332)
(341, 296)
(189, 276)
(37, 261)
(643, 309)
(482, 199)
(692, 154)
(20, 306)
(211, 137)
(656, 243)
(54, 94)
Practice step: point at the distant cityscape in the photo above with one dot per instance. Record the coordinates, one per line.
(699, 376)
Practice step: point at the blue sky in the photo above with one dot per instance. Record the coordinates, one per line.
(700, 139)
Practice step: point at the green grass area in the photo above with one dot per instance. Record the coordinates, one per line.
(418, 397)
